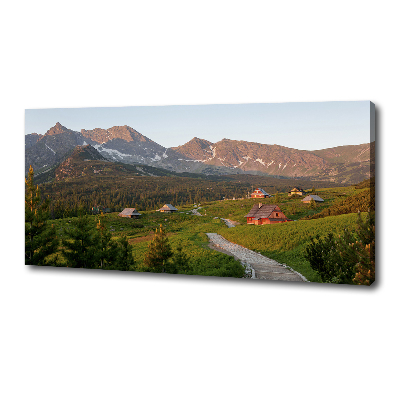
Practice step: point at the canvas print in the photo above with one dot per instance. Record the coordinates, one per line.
(281, 192)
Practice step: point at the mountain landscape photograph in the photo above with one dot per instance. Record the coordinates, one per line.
(280, 192)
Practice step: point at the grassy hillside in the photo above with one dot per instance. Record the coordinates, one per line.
(292, 207)
(286, 242)
(363, 202)
(282, 242)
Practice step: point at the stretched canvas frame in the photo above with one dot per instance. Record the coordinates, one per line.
(270, 191)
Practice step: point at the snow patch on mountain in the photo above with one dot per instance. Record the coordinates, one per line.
(156, 158)
(50, 148)
(260, 161)
(240, 163)
(111, 152)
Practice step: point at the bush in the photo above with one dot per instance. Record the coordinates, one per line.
(349, 258)
(324, 258)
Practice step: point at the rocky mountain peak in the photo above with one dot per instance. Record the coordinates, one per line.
(57, 129)
(201, 142)
(125, 144)
(125, 132)
(196, 149)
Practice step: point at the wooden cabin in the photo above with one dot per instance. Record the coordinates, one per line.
(316, 198)
(296, 191)
(129, 213)
(262, 214)
(167, 208)
(260, 194)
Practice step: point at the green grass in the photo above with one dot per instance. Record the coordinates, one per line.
(181, 228)
(284, 243)
(292, 207)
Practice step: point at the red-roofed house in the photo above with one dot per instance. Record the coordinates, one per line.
(262, 214)
(260, 194)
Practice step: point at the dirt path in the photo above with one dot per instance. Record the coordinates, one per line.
(229, 223)
(262, 267)
(196, 212)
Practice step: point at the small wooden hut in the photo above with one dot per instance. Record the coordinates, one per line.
(260, 194)
(296, 191)
(167, 208)
(316, 198)
(262, 214)
(129, 213)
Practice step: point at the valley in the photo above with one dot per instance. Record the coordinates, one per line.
(284, 243)
(83, 173)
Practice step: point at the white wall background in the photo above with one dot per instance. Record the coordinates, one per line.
(103, 335)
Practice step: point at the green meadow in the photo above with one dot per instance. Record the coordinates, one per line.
(283, 242)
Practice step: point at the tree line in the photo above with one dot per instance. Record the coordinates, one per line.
(143, 193)
(146, 193)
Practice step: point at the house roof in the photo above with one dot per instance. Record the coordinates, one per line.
(129, 211)
(312, 196)
(168, 207)
(262, 191)
(262, 212)
(297, 189)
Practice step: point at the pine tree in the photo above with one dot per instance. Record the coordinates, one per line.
(41, 240)
(106, 251)
(180, 261)
(159, 252)
(313, 204)
(124, 260)
(364, 250)
(79, 245)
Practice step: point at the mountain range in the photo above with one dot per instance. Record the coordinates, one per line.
(123, 144)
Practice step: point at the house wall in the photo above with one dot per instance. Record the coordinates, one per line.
(263, 221)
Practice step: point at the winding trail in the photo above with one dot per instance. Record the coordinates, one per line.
(261, 267)
(229, 223)
(257, 265)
